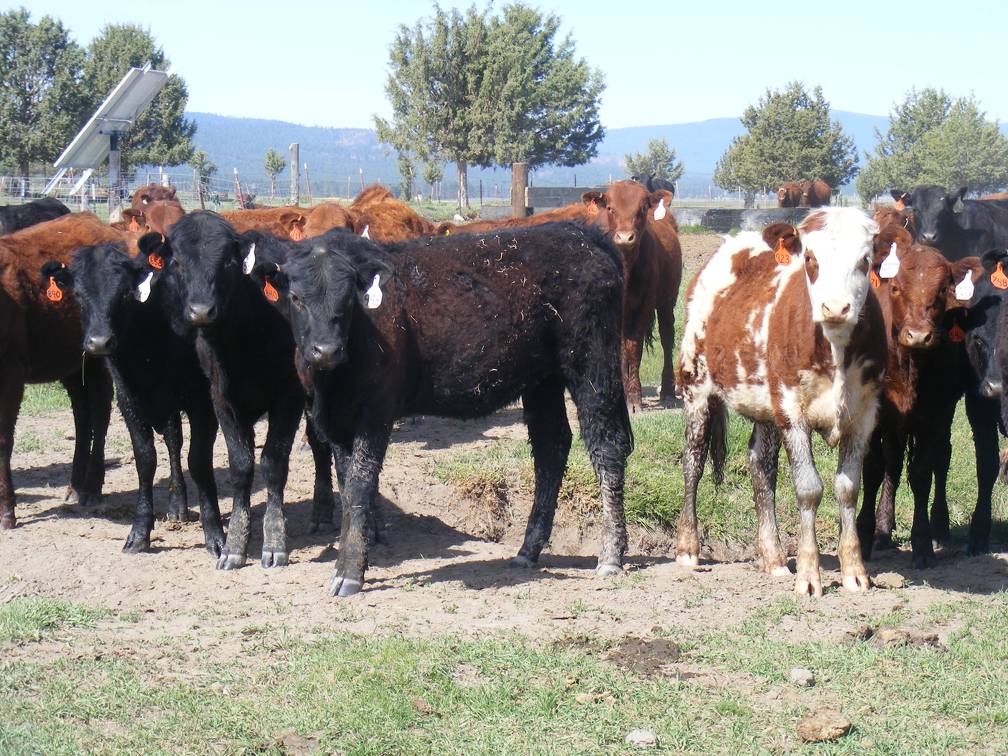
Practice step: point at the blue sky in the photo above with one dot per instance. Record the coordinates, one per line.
(324, 63)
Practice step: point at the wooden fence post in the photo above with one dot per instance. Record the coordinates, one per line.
(519, 180)
(295, 168)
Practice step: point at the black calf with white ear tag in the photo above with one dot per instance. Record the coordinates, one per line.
(372, 276)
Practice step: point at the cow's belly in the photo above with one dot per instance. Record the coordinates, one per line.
(751, 400)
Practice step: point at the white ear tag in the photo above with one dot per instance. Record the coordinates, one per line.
(374, 295)
(366, 235)
(659, 212)
(144, 287)
(964, 290)
(890, 266)
(249, 262)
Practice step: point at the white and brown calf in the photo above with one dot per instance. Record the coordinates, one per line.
(781, 327)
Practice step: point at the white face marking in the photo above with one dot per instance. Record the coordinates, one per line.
(143, 289)
(374, 294)
(964, 290)
(249, 262)
(659, 212)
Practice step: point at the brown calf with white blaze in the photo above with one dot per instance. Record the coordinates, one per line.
(783, 328)
(640, 225)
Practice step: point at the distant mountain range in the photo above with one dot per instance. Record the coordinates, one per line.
(336, 156)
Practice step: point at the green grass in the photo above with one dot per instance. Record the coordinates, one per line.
(507, 694)
(44, 398)
(696, 229)
(27, 619)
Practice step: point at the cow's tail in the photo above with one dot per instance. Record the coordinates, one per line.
(718, 434)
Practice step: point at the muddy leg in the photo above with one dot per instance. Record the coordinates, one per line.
(145, 459)
(11, 391)
(764, 451)
(846, 485)
(323, 501)
(240, 441)
(97, 384)
(202, 434)
(178, 497)
(698, 416)
(550, 437)
(666, 334)
(633, 351)
(808, 491)
(982, 413)
(283, 423)
(82, 439)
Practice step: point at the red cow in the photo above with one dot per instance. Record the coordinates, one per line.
(652, 259)
(783, 328)
(790, 194)
(145, 195)
(40, 342)
(815, 193)
(326, 216)
(281, 222)
(385, 218)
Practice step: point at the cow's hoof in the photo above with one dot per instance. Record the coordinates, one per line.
(179, 515)
(922, 561)
(972, 549)
(71, 498)
(809, 585)
(687, 560)
(781, 570)
(230, 561)
(90, 499)
(342, 587)
(136, 543)
(608, 570)
(7, 522)
(322, 527)
(883, 542)
(274, 559)
(522, 562)
(215, 541)
(856, 583)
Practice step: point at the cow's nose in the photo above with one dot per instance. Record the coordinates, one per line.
(326, 356)
(836, 310)
(624, 238)
(917, 338)
(201, 314)
(929, 236)
(98, 344)
(990, 388)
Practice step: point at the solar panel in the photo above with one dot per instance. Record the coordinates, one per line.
(91, 145)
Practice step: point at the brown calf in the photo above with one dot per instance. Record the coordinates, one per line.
(40, 342)
(158, 216)
(783, 328)
(385, 219)
(150, 193)
(815, 193)
(790, 194)
(326, 216)
(281, 222)
(652, 260)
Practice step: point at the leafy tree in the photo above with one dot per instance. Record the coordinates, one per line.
(659, 161)
(933, 139)
(481, 90)
(161, 135)
(790, 137)
(541, 101)
(432, 173)
(204, 167)
(274, 164)
(408, 173)
(42, 102)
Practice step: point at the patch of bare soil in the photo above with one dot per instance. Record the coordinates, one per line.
(698, 248)
(445, 570)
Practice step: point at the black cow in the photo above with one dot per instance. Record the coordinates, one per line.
(460, 326)
(957, 227)
(150, 352)
(16, 217)
(653, 183)
(246, 350)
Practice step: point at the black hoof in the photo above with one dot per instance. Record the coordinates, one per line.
(523, 563)
(322, 527)
(137, 543)
(215, 543)
(90, 499)
(973, 548)
(274, 559)
(922, 562)
(342, 587)
(883, 542)
(230, 561)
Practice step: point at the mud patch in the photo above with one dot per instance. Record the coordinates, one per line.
(649, 658)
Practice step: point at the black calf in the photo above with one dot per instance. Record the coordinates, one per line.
(150, 353)
(246, 352)
(460, 326)
(15, 217)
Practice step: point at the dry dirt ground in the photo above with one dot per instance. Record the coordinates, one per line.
(437, 576)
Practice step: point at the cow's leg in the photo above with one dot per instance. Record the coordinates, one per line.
(894, 449)
(240, 440)
(982, 414)
(145, 459)
(919, 471)
(97, 384)
(698, 416)
(873, 475)
(808, 492)
(283, 424)
(178, 497)
(633, 352)
(940, 529)
(323, 501)
(11, 391)
(550, 437)
(666, 334)
(202, 434)
(847, 484)
(764, 451)
(605, 428)
(361, 487)
(82, 438)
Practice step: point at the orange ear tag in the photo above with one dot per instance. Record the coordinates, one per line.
(875, 280)
(270, 291)
(133, 225)
(54, 293)
(998, 278)
(782, 256)
(956, 334)
(155, 261)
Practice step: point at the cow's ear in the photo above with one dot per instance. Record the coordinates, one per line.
(373, 275)
(155, 249)
(171, 194)
(899, 196)
(595, 202)
(782, 236)
(990, 260)
(884, 241)
(659, 203)
(293, 222)
(964, 273)
(58, 272)
(254, 247)
(444, 228)
(134, 219)
(271, 279)
(957, 199)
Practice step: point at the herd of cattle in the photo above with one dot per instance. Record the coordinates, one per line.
(867, 330)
